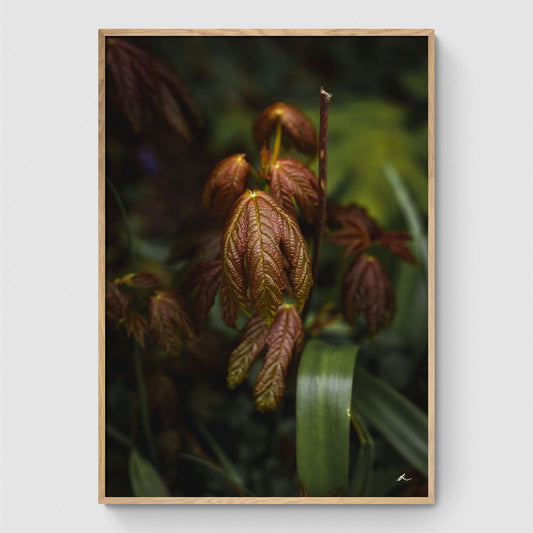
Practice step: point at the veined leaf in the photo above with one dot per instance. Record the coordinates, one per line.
(284, 338)
(257, 233)
(291, 179)
(139, 280)
(353, 227)
(117, 303)
(401, 423)
(293, 122)
(367, 289)
(253, 341)
(145, 480)
(398, 243)
(226, 183)
(168, 321)
(323, 401)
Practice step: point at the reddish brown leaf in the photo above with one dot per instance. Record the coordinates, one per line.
(168, 321)
(145, 85)
(284, 338)
(340, 216)
(291, 180)
(207, 277)
(398, 243)
(293, 122)
(354, 237)
(139, 280)
(243, 357)
(117, 304)
(226, 183)
(256, 233)
(367, 289)
(229, 307)
(137, 326)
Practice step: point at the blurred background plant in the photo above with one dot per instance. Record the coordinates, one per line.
(175, 106)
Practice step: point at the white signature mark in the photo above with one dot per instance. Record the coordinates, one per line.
(403, 478)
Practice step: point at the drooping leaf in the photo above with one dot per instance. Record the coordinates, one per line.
(291, 180)
(226, 183)
(297, 254)
(145, 480)
(367, 289)
(398, 243)
(137, 327)
(354, 237)
(352, 227)
(284, 338)
(169, 322)
(297, 126)
(146, 85)
(253, 341)
(207, 278)
(139, 280)
(403, 424)
(117, 303)
(323, 400)
(257, 233)
(229, 307)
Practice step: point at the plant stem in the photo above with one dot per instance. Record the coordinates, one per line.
(137, 360)
(277, 143)
(126, 223)
(325, 97)
(143, 403)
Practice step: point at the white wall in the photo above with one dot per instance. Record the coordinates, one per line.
(48, 469)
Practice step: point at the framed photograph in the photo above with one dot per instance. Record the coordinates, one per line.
(266, 266)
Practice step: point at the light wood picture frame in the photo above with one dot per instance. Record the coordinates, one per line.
(104, 151)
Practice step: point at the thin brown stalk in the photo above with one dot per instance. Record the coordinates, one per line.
(325, 97)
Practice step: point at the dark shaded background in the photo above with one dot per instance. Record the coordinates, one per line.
(378, 116)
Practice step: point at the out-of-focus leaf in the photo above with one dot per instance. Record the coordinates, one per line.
(367, 289)
(411, 214)
(139, 280)
(145, 480)
(117, 303)
(226, 183)
(398, 243)
(168, 321)
(402, 424)
(293, 122)
(323, 400)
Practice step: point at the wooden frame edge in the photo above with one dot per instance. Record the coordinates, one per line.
(420, 32)
(101, 266)
(430, 34)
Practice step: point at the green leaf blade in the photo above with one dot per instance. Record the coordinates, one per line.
(402, 424)
(323, 400)
(144, 478)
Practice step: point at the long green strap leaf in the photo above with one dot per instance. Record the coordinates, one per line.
(323, 401)
(144, 478)
(402, 424)
(411, 214)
